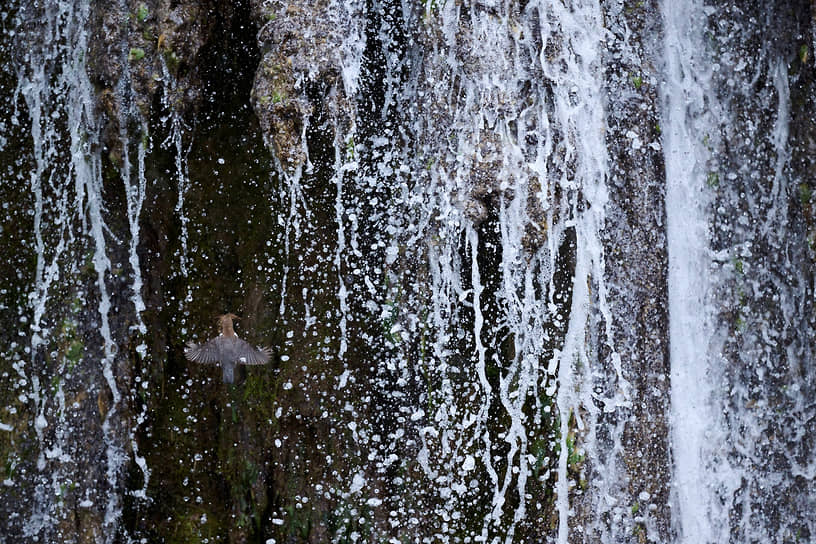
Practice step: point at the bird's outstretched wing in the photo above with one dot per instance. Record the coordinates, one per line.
(206, 353)
(247, 354)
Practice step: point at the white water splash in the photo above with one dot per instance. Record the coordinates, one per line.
(135, 192)
(69, 216)
(486, 136)
(175, 137)
(720, 431)
(52, 197)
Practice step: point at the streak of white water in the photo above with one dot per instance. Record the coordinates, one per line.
(50, 187)
(292, 199)
(347, 15)
(688, 112)
(87, 171)
(482, 415)
(175, 136)
(520, 138)
(579, 110)
(779, 138)
(134, 196)
(340, 169)
(135, 199)
(68, 213)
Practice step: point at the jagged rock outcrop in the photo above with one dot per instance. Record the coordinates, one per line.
(311, 54)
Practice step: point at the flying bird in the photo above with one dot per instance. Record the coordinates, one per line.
(227, 350)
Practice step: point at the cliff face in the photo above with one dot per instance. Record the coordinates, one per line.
(449, 219)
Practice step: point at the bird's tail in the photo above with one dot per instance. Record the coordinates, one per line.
(228, 372)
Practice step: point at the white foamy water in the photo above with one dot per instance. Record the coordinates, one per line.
(734, 349)
(687, 113)
(486, 140)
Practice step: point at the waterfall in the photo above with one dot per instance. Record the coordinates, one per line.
(70, 242)
(690, 110)
(736, 347)
(479, 294)
(531, 271)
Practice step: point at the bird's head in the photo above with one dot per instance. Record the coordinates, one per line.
(225, 323)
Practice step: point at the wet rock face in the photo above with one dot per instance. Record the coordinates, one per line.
(302, 71)
(483, 131)
(761, 175)
(141, 50)
(635, 267)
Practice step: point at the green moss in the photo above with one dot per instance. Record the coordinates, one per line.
(805, 194)
(804, 53)
(433, 6)
(141, 13)
(11, 464)
(71, 345)
(136, 54)
(713, 180)
(540, 450)
(350, 148)
(171, 60)
(637, 81)
(632, 8)
(573, 457)
(300, 522)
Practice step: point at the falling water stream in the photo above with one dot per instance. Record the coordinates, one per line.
(469, 347)
(688, 112)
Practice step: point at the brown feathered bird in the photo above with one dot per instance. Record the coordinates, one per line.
(227, 350)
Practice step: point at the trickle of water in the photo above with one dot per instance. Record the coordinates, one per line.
(461, 284)
(70, 227)
(183, 179)
(135, 192)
